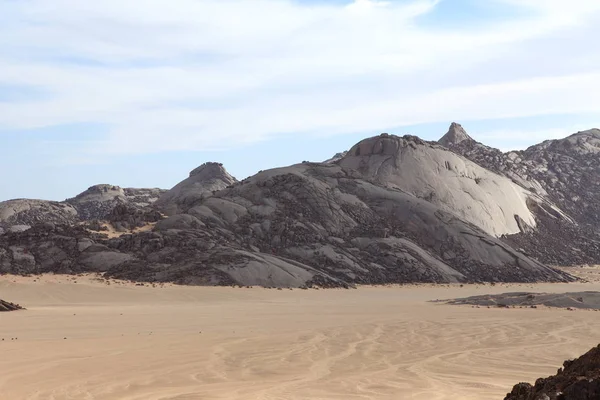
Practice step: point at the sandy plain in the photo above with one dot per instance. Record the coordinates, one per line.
(81, 339)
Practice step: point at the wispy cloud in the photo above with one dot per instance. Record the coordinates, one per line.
(207, 74)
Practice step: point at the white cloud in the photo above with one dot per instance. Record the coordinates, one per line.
(214, 73)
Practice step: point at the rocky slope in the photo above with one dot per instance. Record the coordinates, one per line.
(328, 224)
(578, 380)
(202, 182)
(455, 184)
(390, 210)
(566, 174)
(97, 202)
(26, 212)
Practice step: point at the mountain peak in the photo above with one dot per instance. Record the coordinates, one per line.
(455, 135)
(211, 170)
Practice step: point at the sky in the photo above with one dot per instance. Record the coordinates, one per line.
(138, 93)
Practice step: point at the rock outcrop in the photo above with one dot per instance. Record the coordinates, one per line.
(202, 182)
(327, 221)
(572, 300)
(6, 306)
(303, 225)
(391, 210)
(455, 136)
(455, 184)
(565, 175)
(578, 380)
(99, 202)
(27, 212)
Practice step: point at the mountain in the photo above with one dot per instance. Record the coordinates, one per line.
(455, 136)
(26, 212)
(578, 380)
(455, 184)
(97, 202)
(392, 210)
(202, 182)
(564, 172)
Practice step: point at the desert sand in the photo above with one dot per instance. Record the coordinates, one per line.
(83, 339)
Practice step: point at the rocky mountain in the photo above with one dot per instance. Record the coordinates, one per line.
(27, 212)
(390, 210)
(578, 380)
(97, 202)
(202, 182)
(455, 136)
(373, 216)
(564, 172)
(490, 201)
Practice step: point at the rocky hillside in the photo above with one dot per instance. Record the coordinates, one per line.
(361, 219)
(96, 203)
(390, 210)
(566, 173)
(578, 380)
(202, 182)
(26, 212)
(455, 184)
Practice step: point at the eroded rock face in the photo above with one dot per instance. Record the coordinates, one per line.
(455, 184)
(392, 210)
(455, 135)
(27, 212)
(202, 182)
(565, 174)
(578, 380)
(320, 224)
(98, 202)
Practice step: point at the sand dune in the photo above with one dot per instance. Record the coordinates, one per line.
(127, 342)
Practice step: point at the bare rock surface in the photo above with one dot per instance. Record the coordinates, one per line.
(577, 380)
(96, 203)
(455, 184)
(30, 212)
(391, 210)
(456, 135)
(99, 201)
(565, 175)
(6, 306)
(584, 300)
(330, 222)
(202, 182)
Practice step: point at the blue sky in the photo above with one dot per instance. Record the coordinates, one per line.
(111, 92)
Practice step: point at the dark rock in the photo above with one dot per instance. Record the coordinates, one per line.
(579, 380)
(6, 306)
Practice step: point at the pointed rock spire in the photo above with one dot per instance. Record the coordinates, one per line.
(456, 134)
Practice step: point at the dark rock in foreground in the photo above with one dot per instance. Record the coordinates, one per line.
(585, 300)
(6, 306)
(578, 380)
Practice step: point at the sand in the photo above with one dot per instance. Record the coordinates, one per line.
(88, 340)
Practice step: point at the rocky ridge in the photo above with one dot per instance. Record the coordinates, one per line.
(201, 183)
(96, 203)
(564, 172)
(354, 221)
